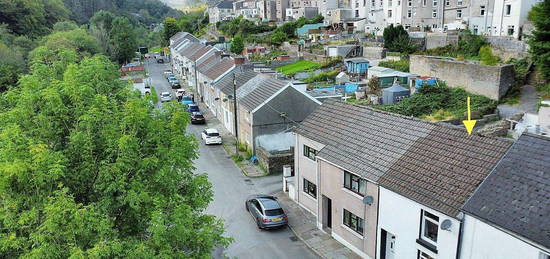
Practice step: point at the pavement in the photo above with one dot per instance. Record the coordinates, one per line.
(527, 103)
(304, 226)
(231, 188)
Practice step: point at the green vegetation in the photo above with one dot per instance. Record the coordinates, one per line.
(123, 41)
(323, 77)
(300, 66)
(237, 45)
(397, 39)
(544, 90)
(399, 65)
(521, 69)
(194, 23)
(242, 26)
(441, 103)
(154, 95)
(539, 42)
(468, 47)
(487, 57)
(268, 57)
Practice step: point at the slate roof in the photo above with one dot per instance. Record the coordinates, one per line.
(516, 195)
(437, 165)
(225, 5)
(225, 84)
(219, 68)
(180, 36)
(257, 90)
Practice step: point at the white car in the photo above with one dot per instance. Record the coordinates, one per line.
(165, 97)
(211, 136)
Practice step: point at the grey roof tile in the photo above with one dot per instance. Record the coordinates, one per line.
(434, 164)
(516, 195)
(225, 84)
(257, 90)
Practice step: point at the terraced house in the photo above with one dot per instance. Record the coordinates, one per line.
(386, 185)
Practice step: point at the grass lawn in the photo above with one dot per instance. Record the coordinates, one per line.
(302, 65)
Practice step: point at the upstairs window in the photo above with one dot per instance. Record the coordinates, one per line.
(434, 13)
(482, 10)
(434, 3)
(355, 184)
(447, 2)
(458, 13)
(430, 227)
(310, 152)
(409, 13)
(508, 9)
(389, 13)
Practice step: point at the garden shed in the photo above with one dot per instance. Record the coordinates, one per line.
(394, 94)
(387, 76)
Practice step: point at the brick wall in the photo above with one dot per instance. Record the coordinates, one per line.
(489, 81)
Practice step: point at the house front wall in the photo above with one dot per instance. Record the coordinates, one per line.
(245, 126)
(401, 217)
(332, 187)
(306, 168)
(479, 238)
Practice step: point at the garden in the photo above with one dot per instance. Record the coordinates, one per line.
(300, 66)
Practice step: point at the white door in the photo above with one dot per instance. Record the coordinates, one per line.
(390, 246)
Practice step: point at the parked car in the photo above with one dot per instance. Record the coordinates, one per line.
(266, 211)
(197, 118)
(211, 136)
(167, 74)
(165, 97)
(187, 100)
(192, 108)
(175, 83)
(170, 78)
(180, 93)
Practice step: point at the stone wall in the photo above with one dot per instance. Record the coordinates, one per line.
(374, 52)
(439, 39)
(506, 47)
(490, 81)
(274, 162)
(279, 63)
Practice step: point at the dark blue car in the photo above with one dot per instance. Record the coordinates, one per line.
(192, 108)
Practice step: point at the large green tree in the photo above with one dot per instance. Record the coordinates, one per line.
(170, 29)
(33, 18)
(539, 42)
(12, 66)
(123, 40)
(88, 168)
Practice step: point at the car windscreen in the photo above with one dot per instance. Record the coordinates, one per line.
(274, 212)
(213, 134)
(198, 116)
(186, 98)
(165, 95)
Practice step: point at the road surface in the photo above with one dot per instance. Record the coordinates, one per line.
(231, 188)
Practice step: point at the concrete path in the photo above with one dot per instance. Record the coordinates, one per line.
(527, 103)
(303, 224)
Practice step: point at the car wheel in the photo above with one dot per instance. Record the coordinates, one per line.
(258, 224)
(246, 206)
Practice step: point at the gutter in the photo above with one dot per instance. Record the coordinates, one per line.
(460, 235)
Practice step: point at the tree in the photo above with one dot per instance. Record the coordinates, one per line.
(33, 18)
(77, 39)
(91, 169)
(65, 26)
(278, 38)
(101, 25)
(539, 42)
(170, 29)
(396, 38)
(123, 40)
(374, 86)
(237, 45)
(12, 66)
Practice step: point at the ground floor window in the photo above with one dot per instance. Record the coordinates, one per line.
(310, 188)
(354, 222)
(422, 255)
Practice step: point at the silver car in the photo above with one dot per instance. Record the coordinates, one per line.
(266, 211)
(165, 97)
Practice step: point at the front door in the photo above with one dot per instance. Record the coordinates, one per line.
(327, 212)
(390, 245)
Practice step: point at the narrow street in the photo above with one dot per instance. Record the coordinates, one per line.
(231, 188)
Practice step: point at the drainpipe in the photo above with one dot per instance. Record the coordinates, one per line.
(460, 230)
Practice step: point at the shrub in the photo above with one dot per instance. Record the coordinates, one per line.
(374, 85)
(323, 77)
(487, 57)
(399, 65)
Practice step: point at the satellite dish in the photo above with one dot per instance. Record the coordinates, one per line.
(368, 200)
(446, 224)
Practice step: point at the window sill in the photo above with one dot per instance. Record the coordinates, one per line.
(358, 196)
(427, 245)
(352, 231)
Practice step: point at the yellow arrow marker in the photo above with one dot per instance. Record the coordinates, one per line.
(469, 124)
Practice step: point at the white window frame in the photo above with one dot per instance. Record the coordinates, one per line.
(507, 9)
(434, 3)
(424, 255)
(434, 13)
(482, 10)
(459, 14)
(424, 2)
(447, 2)
(389, 3)
(409, 3)
(409, 13)
(306, 188)
(423, 227)
(389, 13)
(459, 3)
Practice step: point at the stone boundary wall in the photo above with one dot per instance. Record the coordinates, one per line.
(490, 81)
(507, 48)
(274, 162)
(279, 63)
(374, 52)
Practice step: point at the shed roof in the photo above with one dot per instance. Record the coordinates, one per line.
(396, 88)
(516, 195)
(435, 164)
